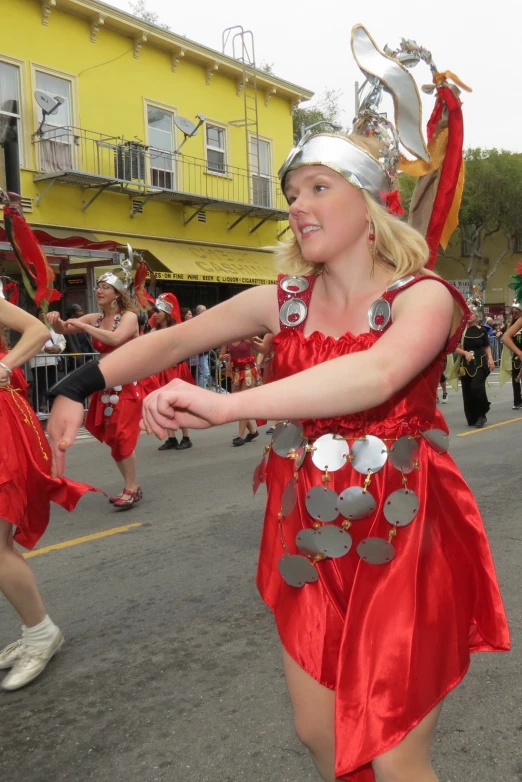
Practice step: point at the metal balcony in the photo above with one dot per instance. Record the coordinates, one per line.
(99, 163)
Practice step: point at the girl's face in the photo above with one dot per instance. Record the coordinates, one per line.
(328, 216)
(105, 294)
(161, 318)
(188, 315)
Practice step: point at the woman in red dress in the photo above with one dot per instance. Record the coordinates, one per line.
(374, 558)
(26, 491)
(114, 414)
(244, 374)
(167, 314)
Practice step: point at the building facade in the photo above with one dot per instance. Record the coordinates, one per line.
(122, 132)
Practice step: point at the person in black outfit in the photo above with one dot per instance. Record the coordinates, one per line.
(512, 340)
(477, 363)
(77, 343)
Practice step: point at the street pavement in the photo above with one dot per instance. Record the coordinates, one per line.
(172, 667)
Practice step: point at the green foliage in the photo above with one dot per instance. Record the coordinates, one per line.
(406, 185)
(267, 67)
(325, 109)
(139, 8)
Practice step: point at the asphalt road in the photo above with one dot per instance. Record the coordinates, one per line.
(172, 667)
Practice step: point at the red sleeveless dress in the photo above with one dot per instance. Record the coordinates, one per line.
(119, 428)
(26, 486)
(385, 606)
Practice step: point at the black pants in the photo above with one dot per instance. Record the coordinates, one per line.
(43, 379)
(476, 402)
(517, 389)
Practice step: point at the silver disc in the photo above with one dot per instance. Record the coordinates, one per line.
(405, 454)
(293, 312)
(289, 499)
(369, 454)
(294, 284)
(322, 504)
(306, 542)
(118, 388)
(379, 314)
(333, 541)
(400, 283)
(330, 452)
(401, 507)
(114, 399)
(287, 437)
(376, 551)
(105, 399)
(108, 412)
(296, 570)
(354, 503)
(438, 439)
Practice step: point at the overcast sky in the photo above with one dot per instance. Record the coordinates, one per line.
(309, 45)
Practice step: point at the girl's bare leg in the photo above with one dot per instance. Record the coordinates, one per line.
(17, 581)
(127, 467)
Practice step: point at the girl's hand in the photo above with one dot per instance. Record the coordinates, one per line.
(53, 317)
(469, 356)
(63, 424)
(491, 364)
(183, 405)
(5, 377)
(258, 344)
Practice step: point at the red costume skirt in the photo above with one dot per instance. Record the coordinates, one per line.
(26, 486)
(244, 371)
(121, 430)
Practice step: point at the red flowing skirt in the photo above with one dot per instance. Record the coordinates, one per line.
(121, 430)
(26, 486)
(391, 640)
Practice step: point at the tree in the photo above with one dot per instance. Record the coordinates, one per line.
(267, 67)
(139, 8)
(326, 109)
(491, 205)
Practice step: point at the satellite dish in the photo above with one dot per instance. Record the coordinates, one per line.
(185, 125)
(47, 104)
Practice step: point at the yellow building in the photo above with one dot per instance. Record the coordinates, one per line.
(119, 159)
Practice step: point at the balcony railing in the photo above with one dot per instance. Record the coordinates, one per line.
(93, 160)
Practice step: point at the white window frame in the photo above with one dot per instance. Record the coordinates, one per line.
(171, 110)
(22, 108)
(208, 147)
(74, 114)
(269, 176)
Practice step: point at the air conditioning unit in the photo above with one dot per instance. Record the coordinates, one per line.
(129, 162)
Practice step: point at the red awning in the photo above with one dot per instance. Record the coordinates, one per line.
(73, 242)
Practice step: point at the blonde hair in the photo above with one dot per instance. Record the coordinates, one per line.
(397, 244)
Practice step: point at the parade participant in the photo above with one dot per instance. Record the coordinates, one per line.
(376, 628)
(167, 313)
(244, 374)
(27, 490)
(511, 357)
(475, 365)
(113, 416)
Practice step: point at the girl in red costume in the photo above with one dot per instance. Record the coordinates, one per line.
(114, 415)
(168, 314)
(374, 559)
(245, 374)
(26, 491)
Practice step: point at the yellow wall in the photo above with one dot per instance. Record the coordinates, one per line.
(110, 99)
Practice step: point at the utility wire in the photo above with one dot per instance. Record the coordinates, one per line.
(101, 64)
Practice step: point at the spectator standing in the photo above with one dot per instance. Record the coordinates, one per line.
(203, 371)
(77, 343)
(44, 367)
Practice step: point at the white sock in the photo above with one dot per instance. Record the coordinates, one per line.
(40, 636)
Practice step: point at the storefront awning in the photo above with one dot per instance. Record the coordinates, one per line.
(199, 263)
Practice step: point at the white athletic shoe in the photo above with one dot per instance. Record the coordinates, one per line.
(31, 663)
(10, 655)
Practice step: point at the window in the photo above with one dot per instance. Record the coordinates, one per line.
(161, 140)
(260, 167)
(10, 119)
(216, 150)
(56, 146)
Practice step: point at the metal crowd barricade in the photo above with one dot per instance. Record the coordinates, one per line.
(44, 370)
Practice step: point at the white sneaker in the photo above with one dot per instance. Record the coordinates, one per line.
(10, 655)
(31, 663)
